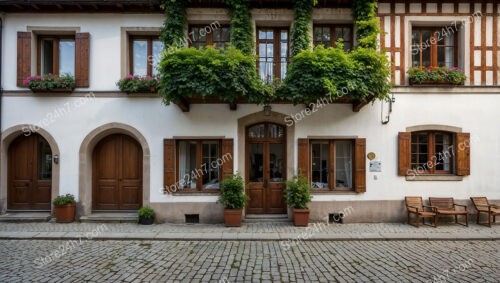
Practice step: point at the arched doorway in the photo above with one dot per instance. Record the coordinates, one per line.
(266, 168)
(117, 163)
(29, 173)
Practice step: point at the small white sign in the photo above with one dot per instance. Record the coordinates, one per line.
(375, 166)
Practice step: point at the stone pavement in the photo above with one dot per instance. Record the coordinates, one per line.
(249, 231)
(248, 261)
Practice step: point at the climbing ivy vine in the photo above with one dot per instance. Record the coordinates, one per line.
(241, 25)
(300, 33)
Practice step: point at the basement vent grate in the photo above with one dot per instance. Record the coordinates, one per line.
(192, 218)
(336, 218)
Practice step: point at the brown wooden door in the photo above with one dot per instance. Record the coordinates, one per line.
(29, 174)
(117, 174)
(266, 169)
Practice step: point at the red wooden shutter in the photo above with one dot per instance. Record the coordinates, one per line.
(23, 57)
(169, 166)
(82, 51)
(227, 158)
(404, 153)
(303, 158)
(359, 165)
(463, 154)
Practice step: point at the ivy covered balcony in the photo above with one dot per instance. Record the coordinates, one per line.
(278, 66)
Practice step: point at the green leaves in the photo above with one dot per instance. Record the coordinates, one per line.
(299, 34)
(333, 73)
(451, 75)
(241, 25)
(298, 192)
(146, 212)
(232, 193)
(224, 73)
(172, 32)
(64, 199)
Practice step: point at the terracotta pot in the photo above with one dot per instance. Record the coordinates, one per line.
(65, 213)
(300, 217)
(432, 83)
(232, 217)
(146, 220)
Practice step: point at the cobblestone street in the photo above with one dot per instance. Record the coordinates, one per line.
(249, 261)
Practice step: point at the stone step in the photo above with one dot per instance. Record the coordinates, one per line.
(258, 218)
(28, 216)
(110, 217)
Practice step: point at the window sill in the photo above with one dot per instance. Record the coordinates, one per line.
(434, 178)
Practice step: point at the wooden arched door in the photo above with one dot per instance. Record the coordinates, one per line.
(29, 173)
(266, 168)
(117, 173)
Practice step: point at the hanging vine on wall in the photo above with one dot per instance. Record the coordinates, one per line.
(361, 74)
(241, 25)
(172, 32)
(300, 33)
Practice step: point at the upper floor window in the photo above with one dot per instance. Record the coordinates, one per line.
(433, 47)
(332, 164)
(328, 35)
(273, 52)
(56, 55)
(210, 35)
(145, 53)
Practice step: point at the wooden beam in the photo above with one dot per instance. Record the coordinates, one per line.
(358, 104)
(183, 105)
(35, 6)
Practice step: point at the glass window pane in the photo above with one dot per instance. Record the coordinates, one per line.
(256, 131)
(426, 57)
(140, 55)
(67, 57)
(157, 50)
(47, 60)
(276, 131)
(343, 164)
(276, 154)
(187, 164)
(44, 160)
(320, 164)
(210, 164)
(256, 160)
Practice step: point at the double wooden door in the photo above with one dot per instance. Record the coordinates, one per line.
(266, 169)
(29, 173)
(117, 174)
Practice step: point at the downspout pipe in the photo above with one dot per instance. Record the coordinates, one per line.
(1, 96)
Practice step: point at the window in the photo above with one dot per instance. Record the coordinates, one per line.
(210, 35)
(328, 35)
(432, 152)
(272, 49)
(56, 55)
(332, 154)
(434, 47)
(145, 53)
(198, 163)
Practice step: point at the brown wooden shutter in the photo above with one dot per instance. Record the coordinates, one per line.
(23, 57)
(359, 165)
(404, 153)
(303, 158)
(169, 165)
(82, 51)
(463, 154)
(227, 158)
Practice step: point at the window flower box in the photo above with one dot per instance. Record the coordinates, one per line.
(138, 84)
(431, 76)
(50, 83)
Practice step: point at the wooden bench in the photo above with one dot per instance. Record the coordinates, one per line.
(415, 205)
(448, 207)
(482, 206)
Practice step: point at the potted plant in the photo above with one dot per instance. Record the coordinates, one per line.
(64, 208)
(146, 216)
(51, 83)
(138, 84)
(232, 196)
(298, 195)
(436, 76)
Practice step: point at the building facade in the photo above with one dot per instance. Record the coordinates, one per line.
(117, 152)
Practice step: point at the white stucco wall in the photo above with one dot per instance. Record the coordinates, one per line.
(473, 112)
